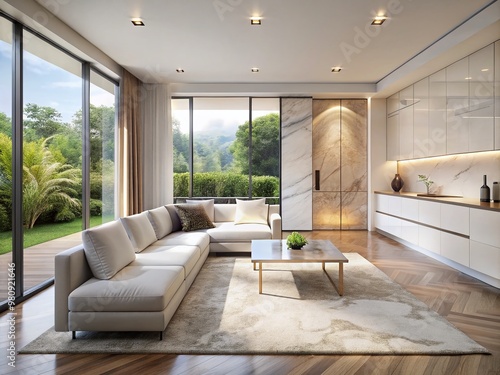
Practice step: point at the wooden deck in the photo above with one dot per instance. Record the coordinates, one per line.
(38, 261)
(471, 305)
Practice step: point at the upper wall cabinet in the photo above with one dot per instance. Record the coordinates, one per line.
(497, 95)
(421, 138)
(481, 100)
(457, 104)
(455, 110)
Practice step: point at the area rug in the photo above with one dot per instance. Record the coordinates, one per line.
(299, 312)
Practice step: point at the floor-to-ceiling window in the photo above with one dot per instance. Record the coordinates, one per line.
(57, 155)
(226, 148)
(102, 149)
(5, 154)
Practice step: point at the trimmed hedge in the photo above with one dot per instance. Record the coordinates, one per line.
(221, 184)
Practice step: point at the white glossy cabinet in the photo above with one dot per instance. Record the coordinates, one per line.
(457, 105)
(481, 95)
(429, 213)
(466, 237)
(421, 141)
(393, 137)
(455, 218)
(455, 248)
(437, 113)
(406, 133)
(393, 103)
(497, 95)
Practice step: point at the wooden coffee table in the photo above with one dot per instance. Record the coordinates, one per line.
(316, 251)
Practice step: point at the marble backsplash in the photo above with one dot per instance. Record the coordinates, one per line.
(452, 174)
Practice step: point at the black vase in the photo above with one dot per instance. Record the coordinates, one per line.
(397, 183)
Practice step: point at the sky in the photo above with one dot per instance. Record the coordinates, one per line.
(46, 84)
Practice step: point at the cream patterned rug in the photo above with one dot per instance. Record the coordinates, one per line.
(299, 313)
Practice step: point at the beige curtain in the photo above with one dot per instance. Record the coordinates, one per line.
(130, 153)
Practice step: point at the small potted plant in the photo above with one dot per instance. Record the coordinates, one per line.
(426, 181)
(295, 241)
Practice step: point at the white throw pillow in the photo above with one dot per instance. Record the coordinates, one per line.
(251, 212)
(161, 221)
(107, 249)
(207, 204)
(139, 230)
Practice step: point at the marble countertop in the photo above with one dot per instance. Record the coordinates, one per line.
(465, 201)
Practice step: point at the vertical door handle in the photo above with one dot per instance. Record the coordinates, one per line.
(316, 179)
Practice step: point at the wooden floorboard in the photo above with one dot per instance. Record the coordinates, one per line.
(469, 304)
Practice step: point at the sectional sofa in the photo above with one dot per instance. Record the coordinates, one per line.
(132, 274)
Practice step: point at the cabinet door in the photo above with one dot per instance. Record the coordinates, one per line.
(382, 202)
(455, 218)
(429, 213)
(421, 141)
(457, 105)
(437, 113)
(406, 133)
(485, 226)
(393, 137)
(393, 103)
(409, 232)
(429, 239)
(394, 205)
(406, 97)
(455, 248)
(481, 95)
(497, 95)
(485, 259)
(409, 209)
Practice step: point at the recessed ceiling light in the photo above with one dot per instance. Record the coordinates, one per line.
(138, 22)
(468, 77)
(379, 20)
(179, 70)
(255, 20)
(255, 70)
(336, 69)
(484, 70)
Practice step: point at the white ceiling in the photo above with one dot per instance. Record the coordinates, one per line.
(298, 42)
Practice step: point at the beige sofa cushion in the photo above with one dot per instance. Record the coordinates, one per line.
(185, 256)
(107, 249)
(251, 212)
(193, 217)
(147, 288)
(139, 230)
(161, 221)
(198, 238)
(208, 205)
(231, 232)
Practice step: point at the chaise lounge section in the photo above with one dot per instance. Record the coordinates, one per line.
(132, 274)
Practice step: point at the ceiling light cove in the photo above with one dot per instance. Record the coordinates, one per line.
(256, 21)
(255, 70)
(137, 22)
(378, 20)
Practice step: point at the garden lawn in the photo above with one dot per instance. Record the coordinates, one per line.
(46, 232)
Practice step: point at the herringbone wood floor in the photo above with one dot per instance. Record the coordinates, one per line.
(470, 305)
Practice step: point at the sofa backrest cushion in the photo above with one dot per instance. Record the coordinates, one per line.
(193, 217)
(161, 221)
(224, 212)
(174, 216)
(251, 211)
(139, 230)
(108, 249)
(208, 205)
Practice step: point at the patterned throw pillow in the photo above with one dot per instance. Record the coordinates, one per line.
(193, 217)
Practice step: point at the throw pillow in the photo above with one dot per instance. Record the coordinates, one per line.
(161, 221)
(107, 249)
(251, 212)
(193, 217)
(207, 204)
(139, 230)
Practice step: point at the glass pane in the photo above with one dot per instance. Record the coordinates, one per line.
(180, 132)
(220, 147)
(102, 149)
(52, 156)
(5, 153)
(265, 158)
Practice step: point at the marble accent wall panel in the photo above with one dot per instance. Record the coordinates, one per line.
(296, 163)
(340, 153)
(326, 143)
(452, 174)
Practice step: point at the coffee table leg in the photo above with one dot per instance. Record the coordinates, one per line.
(260, 277)
(341, 278)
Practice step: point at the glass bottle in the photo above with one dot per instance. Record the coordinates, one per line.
(484, 192)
